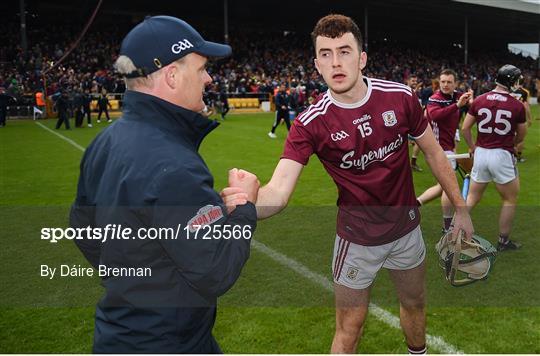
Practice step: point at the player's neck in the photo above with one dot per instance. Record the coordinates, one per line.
(353, 95)
(501, 89)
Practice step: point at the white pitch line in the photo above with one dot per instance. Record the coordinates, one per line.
(386, 317)
(61, 136)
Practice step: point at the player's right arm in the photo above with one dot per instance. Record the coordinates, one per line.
(466, 131)
(275, 195)
(437, 112)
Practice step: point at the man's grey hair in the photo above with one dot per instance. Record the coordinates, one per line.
(124, 65)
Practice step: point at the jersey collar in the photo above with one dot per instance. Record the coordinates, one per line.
(353, 105)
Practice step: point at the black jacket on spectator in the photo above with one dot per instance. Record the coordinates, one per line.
(282, 99)
(144, 171)
(63, 104)
(103, 102)
(87, 100)
(293, 101)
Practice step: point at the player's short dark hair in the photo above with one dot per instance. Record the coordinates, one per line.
(334, 26)
(449, 72)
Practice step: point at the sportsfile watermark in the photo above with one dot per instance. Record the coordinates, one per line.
(289, 252)
(119, 232)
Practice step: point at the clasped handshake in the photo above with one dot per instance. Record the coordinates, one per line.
(243, 187)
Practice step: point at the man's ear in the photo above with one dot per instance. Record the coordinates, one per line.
(363, 60)
(316, 65)
(171, 73)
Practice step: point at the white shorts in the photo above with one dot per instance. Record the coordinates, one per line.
(452, 161)
(493, 164)
(356, 266)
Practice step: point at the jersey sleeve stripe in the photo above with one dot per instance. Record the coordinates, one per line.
(305, 118)
(315, 115)
(389, 83)
(392, 90)
(314, 107)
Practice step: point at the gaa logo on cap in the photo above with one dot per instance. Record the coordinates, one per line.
(181, 46)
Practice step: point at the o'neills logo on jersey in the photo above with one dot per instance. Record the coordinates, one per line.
(497, 97)
(368, 158)
(364, 118)
(206, 215)
(181, 46)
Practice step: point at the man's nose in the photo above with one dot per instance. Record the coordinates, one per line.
(207, 78)
(336, 61)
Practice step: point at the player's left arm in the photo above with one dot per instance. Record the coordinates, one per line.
(521, 131)
(528, 114)
(521, 128)
(437, 161)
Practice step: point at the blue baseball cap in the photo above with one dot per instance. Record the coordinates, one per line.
(161, 40)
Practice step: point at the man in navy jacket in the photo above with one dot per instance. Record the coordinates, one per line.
(144, 172)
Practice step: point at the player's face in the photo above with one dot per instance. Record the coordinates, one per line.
(192, 78)
(340, 62)
(447, 84)
(413, 82)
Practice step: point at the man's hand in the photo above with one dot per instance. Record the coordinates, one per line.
(462, 221)
(465, 99)
(471, 150)
(233, 196)
(248, 182)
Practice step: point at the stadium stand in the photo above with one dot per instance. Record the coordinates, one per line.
(261, 61)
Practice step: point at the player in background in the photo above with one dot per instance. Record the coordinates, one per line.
(443, 111)
(522, 95)
(358, 129)
(412, 82)
(283, 105)
(501, 125)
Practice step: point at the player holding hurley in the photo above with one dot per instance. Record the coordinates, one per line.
(501, 124)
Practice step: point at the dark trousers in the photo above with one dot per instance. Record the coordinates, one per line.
(281, 114)
(225, 110)
(62, 118)
(3, 114)
(79, 116)
(88, 114)
(103, 110)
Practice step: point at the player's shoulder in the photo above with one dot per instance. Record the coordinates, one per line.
(482, 96)
(496, 98)
(318, 108)
(387, 86)
(439, 97)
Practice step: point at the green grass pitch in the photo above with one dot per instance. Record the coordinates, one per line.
(273, 308)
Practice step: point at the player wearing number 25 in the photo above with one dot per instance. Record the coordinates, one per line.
(501, 123)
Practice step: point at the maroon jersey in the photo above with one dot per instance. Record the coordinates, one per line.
(363, 146)
(497, 116)
(443, 115)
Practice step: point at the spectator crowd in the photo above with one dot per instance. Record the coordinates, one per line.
(260, 63)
